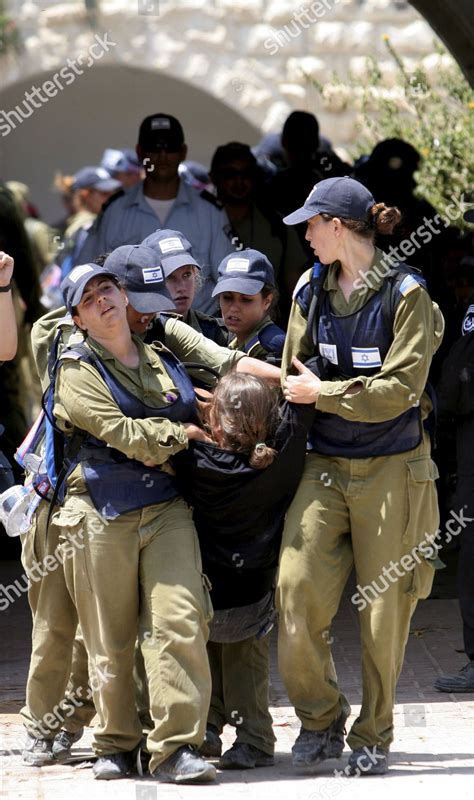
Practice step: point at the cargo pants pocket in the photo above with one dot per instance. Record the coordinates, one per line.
(419, 539)
(73, 548)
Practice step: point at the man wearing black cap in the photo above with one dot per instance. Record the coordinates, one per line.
(163, 200)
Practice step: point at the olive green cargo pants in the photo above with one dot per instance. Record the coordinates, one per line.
(156, 547)
(57, 692)
(240, 682)
(372, 513)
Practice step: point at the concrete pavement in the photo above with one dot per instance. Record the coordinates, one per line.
(434, 732)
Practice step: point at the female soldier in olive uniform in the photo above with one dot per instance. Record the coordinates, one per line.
(246, 290)
(181, 271)
(367, 497)
(52, 609)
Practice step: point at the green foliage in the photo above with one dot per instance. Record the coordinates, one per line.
(9, 36)
(434, 116)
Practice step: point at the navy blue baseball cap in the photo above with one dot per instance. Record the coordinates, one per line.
(172, 249)
(160, 130)
(120, 161)
(340, 197)
(139, 271)
(246, 271)
(73, 285)
(95, 178)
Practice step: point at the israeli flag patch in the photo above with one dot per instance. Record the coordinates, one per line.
(152, 275)
(78, 272)
(171, 243)
(160, 124)
(408, 284)
(238, 265)
(329, 351)
(366, 357)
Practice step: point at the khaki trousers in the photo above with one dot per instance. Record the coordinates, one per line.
(240, 682)
(158, 547)
(57, 692)
(369, 513)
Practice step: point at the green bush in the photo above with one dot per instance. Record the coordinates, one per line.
(9, 36)
(435, 117)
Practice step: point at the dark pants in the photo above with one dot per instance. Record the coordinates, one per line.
(464, 499)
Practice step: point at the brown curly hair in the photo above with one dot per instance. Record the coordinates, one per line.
(244, 413)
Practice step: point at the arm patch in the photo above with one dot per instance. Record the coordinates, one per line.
(408, 285)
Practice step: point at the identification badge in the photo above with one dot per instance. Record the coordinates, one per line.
(366, 357)
(329, 351)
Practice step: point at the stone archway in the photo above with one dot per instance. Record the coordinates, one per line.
(229, 69)
(101, 109)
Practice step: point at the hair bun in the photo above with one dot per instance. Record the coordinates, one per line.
(385, 218)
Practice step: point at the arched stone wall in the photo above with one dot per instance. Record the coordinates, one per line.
(229, 69)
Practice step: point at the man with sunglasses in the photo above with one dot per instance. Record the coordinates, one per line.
(163, 200)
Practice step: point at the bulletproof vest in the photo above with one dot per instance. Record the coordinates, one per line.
(271, 338)
(356, 344)
(118, 484)
(212, 330)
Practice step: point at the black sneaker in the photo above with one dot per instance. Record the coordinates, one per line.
(245, 756)
(367, 761)
(185, 765)
(464, 682)
(212, 745)
(310, 748)
(37, 752)
(63, 741)
(338, 731)
(114, 766)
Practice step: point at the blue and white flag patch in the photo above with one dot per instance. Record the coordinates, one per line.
(170, 244)
(238, 265)
(152, 275)
(366, 357)
(408, 284)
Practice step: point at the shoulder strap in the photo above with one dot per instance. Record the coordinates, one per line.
(397, 276)
(272, 338)
(318, 276)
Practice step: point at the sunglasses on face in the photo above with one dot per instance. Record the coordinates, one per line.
(165, 147)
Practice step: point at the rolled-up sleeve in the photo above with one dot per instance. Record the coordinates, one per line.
(83, 400)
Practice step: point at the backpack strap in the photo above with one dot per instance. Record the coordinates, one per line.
(402, 279)
(316, 283)
(65, 448)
